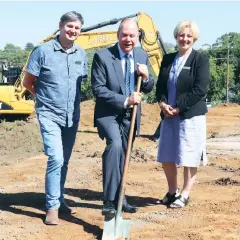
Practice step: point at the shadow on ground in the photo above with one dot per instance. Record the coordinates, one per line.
(90, 195)
(13, 202)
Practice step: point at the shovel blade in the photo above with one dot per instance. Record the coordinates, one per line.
(109, 228)
(122, 229)
(116, 228)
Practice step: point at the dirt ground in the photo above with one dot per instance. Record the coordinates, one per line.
(213, 211)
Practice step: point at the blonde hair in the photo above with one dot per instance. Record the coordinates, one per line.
(187, 24)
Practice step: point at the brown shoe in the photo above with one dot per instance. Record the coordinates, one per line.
(52, 217)
(65, 209)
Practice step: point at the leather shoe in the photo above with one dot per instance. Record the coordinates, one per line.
(65, 209)
(52, 217)
(108, 208)
(129, 208)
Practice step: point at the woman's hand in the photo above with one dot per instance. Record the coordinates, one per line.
(167, 109)
(175, 111)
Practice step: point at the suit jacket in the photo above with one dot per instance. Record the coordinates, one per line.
(192, 84)
(108, 84)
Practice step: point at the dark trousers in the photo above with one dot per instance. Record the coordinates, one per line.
(114, 156)
(157, 132)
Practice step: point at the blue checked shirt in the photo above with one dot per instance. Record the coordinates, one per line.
(59, 76)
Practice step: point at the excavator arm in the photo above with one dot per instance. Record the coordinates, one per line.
(149, 39)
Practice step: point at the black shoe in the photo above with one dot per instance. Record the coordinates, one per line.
(129, 208)
(108, 208)
(65, 209)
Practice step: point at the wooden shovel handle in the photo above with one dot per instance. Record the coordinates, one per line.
(128, 153)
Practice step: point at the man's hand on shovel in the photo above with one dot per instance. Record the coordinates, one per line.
(134, 98)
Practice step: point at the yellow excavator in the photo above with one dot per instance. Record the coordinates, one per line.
(16, 100)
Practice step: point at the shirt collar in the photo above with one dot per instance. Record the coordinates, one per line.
(57, 46)
(122, 53)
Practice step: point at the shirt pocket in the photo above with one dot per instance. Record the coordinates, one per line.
(52, 71)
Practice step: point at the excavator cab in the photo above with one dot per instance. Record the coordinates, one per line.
(9, 74)
(9, 103)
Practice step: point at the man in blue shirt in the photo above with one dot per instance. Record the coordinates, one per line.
(54, 74)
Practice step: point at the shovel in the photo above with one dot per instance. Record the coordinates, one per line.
(115, 227)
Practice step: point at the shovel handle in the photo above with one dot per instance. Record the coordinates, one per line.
(128, 152)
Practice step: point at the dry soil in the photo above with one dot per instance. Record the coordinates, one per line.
(213, 211)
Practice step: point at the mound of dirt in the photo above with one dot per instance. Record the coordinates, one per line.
(19, 139)
(226, 181)
(140, 155)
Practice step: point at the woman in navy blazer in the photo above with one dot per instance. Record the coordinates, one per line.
(181, 92)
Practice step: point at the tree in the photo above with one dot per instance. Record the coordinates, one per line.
(226, 47)
(217, 81)
(14, 55)
(232, 41)
(169, 47)
(86, 93)
(29, 47)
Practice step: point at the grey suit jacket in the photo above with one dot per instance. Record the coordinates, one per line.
(108, 84)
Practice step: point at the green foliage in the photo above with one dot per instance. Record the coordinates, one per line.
(151, 97)
(14, 55)
(7, 126)
(29, 47)
(217, 82)
(217, 53)
(226, 47)
(169, 47)
(236, 97)
(87, 93)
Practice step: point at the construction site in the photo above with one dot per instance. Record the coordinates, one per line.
(213, 211)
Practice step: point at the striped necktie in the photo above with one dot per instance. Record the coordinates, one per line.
(127, 74)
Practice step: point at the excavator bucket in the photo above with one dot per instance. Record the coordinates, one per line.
(116, 228)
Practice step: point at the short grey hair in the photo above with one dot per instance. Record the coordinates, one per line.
(125, 20)
(71, 16)
(184, 24)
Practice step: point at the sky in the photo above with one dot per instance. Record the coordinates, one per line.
(32, 21)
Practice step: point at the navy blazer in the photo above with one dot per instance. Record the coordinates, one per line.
(108, 84)
(192, 84)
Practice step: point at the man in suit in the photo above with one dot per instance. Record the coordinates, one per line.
(114, 77)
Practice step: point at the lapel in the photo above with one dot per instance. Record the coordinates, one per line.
(187, 63)
(118, 67)
(169, 64)
(136, 59)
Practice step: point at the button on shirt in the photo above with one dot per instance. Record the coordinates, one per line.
(59, 76)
